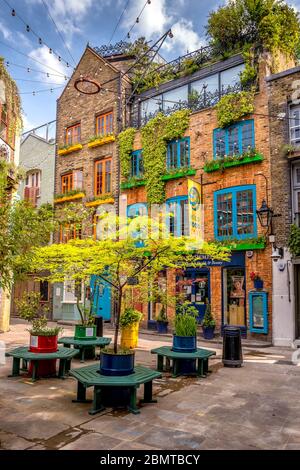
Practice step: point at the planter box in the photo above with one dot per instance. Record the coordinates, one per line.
(98, 202)
(162, 327)
(129, 336)
(247, 246)
(178, 174)
(73, 148)
(184, 344)
(135, 184)
(259, 284)
(85, 332)
(228, 164)
(69, 198)
(101, 141)
(208, 332)
(43, 344)
(116, 364)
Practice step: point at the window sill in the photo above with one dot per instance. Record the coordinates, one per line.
(69, 198)
(73, 148)
(101, 141)
(215, 165)
(178, 174)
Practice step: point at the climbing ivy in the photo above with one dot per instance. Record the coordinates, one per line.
(126, 139)
(232, 107)
(12, 101)
(294, 240)
(155, 136)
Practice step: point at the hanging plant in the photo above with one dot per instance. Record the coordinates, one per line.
(126, 139)
(233, 107)
(155, 136)
(13, 103)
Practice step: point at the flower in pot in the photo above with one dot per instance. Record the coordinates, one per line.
(184, 338)
(162, 320)
(208, 323)
(42, 337)
(257, 280)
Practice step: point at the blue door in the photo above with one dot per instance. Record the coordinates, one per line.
(101, 297)
(194, 284)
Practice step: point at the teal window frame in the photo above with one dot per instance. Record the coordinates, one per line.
(234, 212)
(136, 163)
(178, 219)
(227, 133)
(136, 209)
(178, 143)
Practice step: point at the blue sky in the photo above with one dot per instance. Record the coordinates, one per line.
(82, 21)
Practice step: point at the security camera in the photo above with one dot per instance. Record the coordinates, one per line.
(277, 254)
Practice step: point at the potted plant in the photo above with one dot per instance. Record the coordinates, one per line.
(129, 323)
(42, 338)
(208, 324)
(162, 321)
(257, 280)
(86, 329)
(184, 338)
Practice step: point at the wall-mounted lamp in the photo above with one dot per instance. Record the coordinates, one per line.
(265, 214)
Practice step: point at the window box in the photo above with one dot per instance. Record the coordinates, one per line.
(70, 149)
(98, 202)
(178, 174)
(69, 198)
(215, 165)
(132, 184)
(247, 246)
(101, 141)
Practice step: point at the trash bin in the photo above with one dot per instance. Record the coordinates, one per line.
(232, 347)
(99, 326)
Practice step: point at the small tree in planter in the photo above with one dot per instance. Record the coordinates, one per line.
(117, 261)
(208, 324)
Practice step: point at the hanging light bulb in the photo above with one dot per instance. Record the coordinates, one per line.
(128, 35)
(149, 2)
(50, 51)
(33, 93)
(40, 41)
(137, 20)
(65, 78)
(171, 35)
(68, 64)
(59, 58)
(7, 63)
(27, 28)
(28, 69)
(13, 12)
(51, 90)
(48, 75)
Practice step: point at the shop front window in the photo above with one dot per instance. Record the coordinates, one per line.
(234, 295)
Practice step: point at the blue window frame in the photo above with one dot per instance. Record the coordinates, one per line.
(235, 213)
(235, 139)
(177, 216)
(178, 153)
(133, 211)
(137, 168)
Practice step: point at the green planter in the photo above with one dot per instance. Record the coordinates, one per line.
(228, 164)
(134, 184)
(178, 174)
(247, 246)
(85, 332)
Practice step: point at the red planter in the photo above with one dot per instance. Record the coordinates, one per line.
(44, 344)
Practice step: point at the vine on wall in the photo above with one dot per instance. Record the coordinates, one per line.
(294, 241)
(13, 103)
(126, 139)
(232, 107)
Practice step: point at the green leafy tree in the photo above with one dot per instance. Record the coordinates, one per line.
(116, 260)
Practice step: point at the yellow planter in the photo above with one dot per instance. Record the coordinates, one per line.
(102, 141)
(129, 336)
(73, 148)
(100, 201)
(69, 198)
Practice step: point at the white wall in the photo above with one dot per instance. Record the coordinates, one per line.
(283, 307)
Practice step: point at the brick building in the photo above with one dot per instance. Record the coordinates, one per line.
(283, 92)
(87, 155)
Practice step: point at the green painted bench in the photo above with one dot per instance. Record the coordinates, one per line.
(89, 376)
(165, 352)
(83, 344)
(64, 355)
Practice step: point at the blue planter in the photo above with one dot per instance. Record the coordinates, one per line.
(259, 284)
(184, 343)
(208, 332)
(162, 327)
(116, 364)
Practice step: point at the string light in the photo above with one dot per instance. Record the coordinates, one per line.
(28, 69)
(27, 28)
(13, 12)
(148, 2)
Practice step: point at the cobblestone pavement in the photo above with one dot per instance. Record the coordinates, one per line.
(254, 407)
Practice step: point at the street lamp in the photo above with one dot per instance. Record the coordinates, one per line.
(265, 215)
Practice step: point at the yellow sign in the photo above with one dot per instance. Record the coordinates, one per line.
(195, 211)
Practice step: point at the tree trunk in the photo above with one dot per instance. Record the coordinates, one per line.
(119, 305)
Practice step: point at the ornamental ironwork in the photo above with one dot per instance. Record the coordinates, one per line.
(121, 47)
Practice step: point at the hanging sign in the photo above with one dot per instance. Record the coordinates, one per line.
(195, 211)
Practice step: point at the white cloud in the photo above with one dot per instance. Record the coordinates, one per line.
(185, 38)
(6, 33)
(48, 62)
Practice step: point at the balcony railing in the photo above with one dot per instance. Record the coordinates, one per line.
(206, 99)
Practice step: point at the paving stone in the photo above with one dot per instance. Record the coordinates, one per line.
(171, 439)
(92, 441)
(12, 442)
